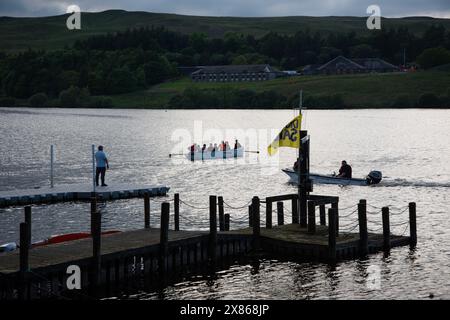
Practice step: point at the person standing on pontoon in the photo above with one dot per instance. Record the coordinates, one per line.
(101, 166)
(345, 171)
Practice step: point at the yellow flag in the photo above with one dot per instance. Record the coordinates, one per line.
(288, 137)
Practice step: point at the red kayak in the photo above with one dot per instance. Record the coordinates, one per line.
(69, 237)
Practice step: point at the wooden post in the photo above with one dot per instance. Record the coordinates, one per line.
(221, 214)
(280, 213)
(212, 245)
(335, 206)
(311, 217)
(332, 213)
(268, 214)
(256, 223)
(386, 229)
(227, 222)
(412, 224)
(303, 173)
(93, 211)
(176, 209)
(28, 222)
(164, 238)
(294, 207)
(146, 210)
(250, 216)
(96, 228)
(323, 221)
(24, 262)
(363, 235)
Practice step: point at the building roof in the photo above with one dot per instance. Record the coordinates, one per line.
(341, 62)
(375, 63)
(254, 68)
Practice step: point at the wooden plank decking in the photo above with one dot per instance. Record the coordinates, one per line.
(72, 192)
(291, 235)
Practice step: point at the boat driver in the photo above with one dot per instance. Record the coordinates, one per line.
(345, 171)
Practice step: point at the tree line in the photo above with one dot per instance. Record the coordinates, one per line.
(135, 59)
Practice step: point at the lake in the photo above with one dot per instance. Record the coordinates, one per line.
(411, 147)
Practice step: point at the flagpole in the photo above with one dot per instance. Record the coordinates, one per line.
(300, 105)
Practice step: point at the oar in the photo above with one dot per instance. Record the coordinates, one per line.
(251, 151)
(175, 154)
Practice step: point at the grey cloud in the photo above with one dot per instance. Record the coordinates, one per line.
(389, 8)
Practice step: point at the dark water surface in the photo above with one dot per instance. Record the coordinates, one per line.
(411, 148)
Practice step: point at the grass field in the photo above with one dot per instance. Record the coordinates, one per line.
(358, 91)
(50, 33)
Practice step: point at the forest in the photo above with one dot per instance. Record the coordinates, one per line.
(137, 59)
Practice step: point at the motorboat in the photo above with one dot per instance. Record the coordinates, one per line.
(374, 177)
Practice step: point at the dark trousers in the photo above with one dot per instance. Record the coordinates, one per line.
(98, 172)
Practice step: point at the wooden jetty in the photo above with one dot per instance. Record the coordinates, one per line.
(73, 192)
(152, 254)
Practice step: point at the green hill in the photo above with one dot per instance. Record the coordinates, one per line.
(50, 33)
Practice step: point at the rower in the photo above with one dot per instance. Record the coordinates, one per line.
(237, 145)
(203, 149)
(345, 171)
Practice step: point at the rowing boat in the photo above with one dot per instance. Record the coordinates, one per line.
(211, 155)
(373, 177)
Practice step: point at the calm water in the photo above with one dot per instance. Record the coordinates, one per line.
(410, 147)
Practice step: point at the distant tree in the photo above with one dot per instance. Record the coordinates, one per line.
(198, 41)
(74, 97)
(328, 53)
(269, 99)
(101, 102)
(158, 70)
(433, 57)
(362, 51)
(243, 98)
(38, 100)
(239, 60)
(7, 102)
(120, 81)
(434, 36)
(429, 100)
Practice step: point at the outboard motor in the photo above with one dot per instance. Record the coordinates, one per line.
(374, 177)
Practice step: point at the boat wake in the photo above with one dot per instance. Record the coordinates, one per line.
(410, 183)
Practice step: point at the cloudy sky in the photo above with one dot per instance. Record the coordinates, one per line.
(252, 8)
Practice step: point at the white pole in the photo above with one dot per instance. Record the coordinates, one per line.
(93, 167)
(51, 166)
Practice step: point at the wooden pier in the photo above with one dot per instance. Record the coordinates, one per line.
(149, 255)
(73, 192)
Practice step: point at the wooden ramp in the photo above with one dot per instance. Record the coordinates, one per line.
(74, 192)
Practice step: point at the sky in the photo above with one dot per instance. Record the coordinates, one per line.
(240, 8)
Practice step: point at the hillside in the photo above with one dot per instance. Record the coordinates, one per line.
(50, 33)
